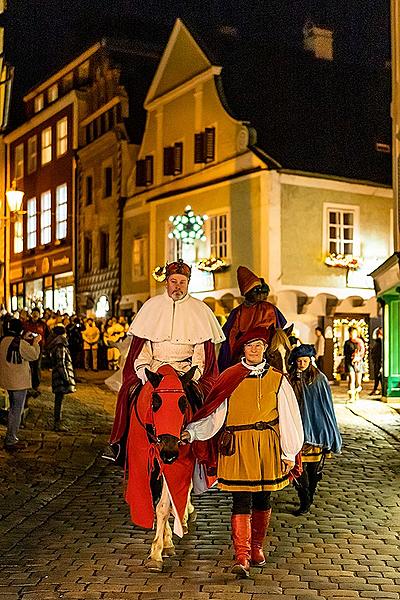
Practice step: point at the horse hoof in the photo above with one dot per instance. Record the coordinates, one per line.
(168, 552)
(193, 516)
(155, 566)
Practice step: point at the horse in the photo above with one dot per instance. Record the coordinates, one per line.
(279, 350)
(159, 467)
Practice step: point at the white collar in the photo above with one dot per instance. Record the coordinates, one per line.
(255, 369)
(184, 299)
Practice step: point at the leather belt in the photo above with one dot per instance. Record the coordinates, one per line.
(259, 426)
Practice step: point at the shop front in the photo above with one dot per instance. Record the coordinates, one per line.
(387, 287)
(45, 282)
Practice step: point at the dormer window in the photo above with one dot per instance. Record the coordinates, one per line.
(173, 159)
(204, 146)
(38, 103)
(52, 93)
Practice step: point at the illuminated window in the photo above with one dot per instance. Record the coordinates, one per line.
(31, 223)
(342, 235)
(45, 218)
(52, 93)
(218, 235)
(61, 211)
(38, 103)
(46, 146)
(32, 154)
(19, 161)
(62, 136)
(139, 258)
(18, 235)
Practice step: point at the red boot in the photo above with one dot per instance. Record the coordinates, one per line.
(260, 520)
(241, 537)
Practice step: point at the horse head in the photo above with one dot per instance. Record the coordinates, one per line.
(279, 349)
(169, 409)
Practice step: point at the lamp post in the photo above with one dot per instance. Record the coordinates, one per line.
(14, 198)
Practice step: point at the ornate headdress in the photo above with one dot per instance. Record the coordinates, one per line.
(177, 268)
(247, 280)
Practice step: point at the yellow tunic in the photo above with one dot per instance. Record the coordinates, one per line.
(256, 464)
(310, 453)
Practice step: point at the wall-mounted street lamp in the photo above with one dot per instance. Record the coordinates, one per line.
(14, 201)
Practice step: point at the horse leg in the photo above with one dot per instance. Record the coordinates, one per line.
(190, 515)
(155, 561)
(168, 544)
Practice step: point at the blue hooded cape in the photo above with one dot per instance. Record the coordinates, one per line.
(318, 416)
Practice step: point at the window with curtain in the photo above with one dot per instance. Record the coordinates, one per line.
(31, 223)
(62, 136)
(46, 146)
(45, 218)
(61, 211)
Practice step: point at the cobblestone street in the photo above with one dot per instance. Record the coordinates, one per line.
(66, 533)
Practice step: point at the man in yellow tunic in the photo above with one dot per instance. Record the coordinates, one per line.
(262, 432)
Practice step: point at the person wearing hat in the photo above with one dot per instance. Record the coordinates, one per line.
(15, 376)
(321, 432)
(62, 371)
(255, 311)
(257, 410)
(171, 328)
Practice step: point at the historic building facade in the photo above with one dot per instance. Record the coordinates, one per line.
(313, 238)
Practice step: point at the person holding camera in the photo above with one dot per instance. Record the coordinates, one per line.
(15, 375)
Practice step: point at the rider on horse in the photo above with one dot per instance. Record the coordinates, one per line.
(255, 311)
(172, 328)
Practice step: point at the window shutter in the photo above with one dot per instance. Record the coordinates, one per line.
(209, 144)
(198, 148)
(148, 170)
(140, 172)
(168, 161)
(178, 158)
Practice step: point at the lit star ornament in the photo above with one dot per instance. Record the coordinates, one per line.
(188, 227)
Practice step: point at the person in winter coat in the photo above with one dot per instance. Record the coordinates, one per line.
(91, 336)
(15, 376)
(321, 432)
(62, 375)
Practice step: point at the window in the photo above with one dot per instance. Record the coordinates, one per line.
(31, 223)
(62, 136)
(18, 235)
(87, 253)
(342, 230)
(144, 171)
(19, 161)
(89, 190)
(52, 93)
(45, 218)
(139, 258)
(46, 145)
(38, 103)
(32, 154)
(204, 146)
(68, 82)
(61, 211)
(108, 176)
(173, 159)
(218, 235)
(104, 249)
(83, 71)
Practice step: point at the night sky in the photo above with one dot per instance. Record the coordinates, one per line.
(41, 35)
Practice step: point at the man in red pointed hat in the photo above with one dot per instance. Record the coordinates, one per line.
(171, 328)
(255, 311)
(262, 433)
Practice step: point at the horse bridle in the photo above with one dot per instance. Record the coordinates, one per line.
(154, 438)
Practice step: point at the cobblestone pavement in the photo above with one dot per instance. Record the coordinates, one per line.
(65, 530)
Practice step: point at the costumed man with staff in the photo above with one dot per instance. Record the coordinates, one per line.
(262, 433)
(255, 311)
(321, 432)
(171, 328)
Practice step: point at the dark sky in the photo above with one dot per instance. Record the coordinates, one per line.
(43, 34)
